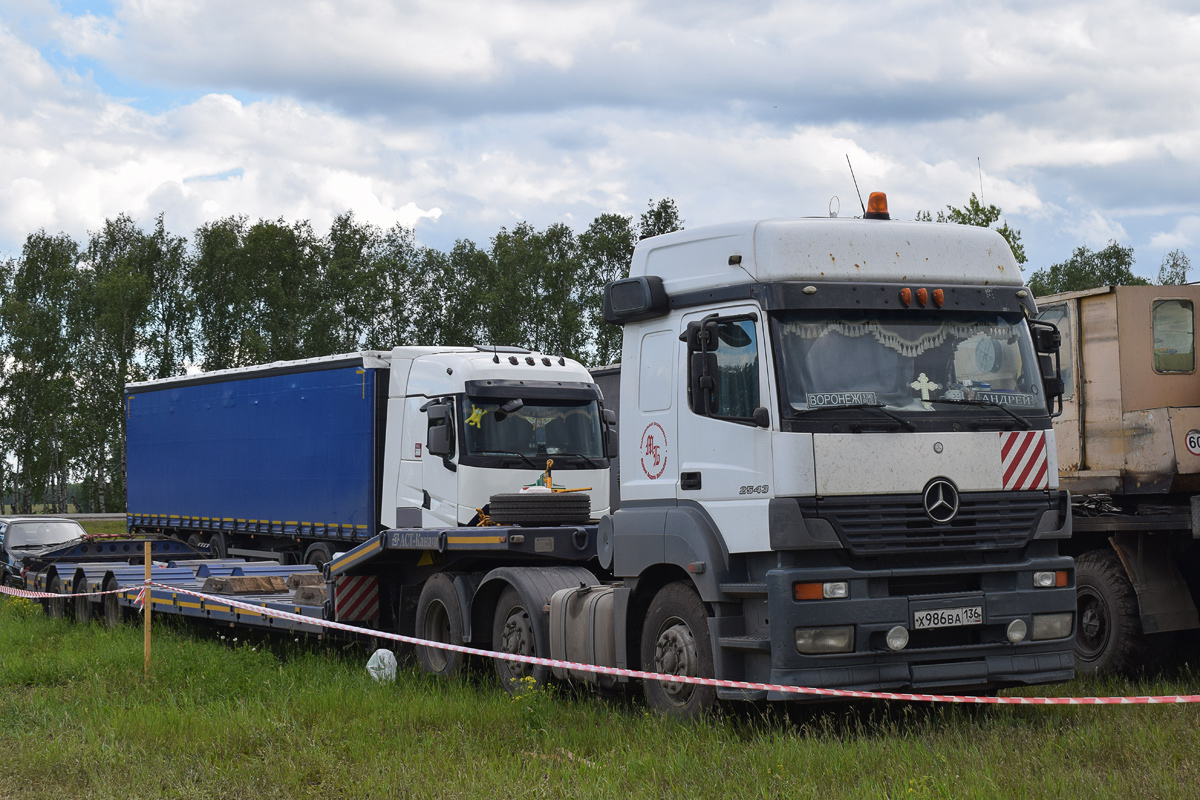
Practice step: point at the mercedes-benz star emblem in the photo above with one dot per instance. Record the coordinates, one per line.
(941, 500)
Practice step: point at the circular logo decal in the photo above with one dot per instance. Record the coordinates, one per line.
(941, 500)
(1193, 442)
(654, 451)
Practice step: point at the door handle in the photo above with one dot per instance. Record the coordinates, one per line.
(689, 481)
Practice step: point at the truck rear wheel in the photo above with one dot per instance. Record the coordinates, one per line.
(675, 641)
(113, 613)
(217, 547)
(563, 508)
(1109, 634)
(439, 619)
(512, 632)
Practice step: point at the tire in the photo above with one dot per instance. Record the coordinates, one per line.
(675, 641)
(1108, 636)
(194, 541)
(114, 615)
(217, 547)
(564, 508)
(439, 619)
(56, 609)
(318, 557)
(513, 632)
(83, 604)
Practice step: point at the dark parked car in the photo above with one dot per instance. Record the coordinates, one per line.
(22, 539)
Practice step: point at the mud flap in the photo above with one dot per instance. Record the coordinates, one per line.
(1164, 600)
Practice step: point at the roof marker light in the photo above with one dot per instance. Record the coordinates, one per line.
(922, 297)
(939, 297)
(877, 207)
(906, 297)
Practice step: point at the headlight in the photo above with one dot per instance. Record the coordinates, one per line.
(1052, 626)
(897, 638)
(1017, 630)
(814, 641)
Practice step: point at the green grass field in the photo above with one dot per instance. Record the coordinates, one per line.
(264, 718)
(226, 717)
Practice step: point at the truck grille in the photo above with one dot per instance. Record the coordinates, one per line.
(871, 526)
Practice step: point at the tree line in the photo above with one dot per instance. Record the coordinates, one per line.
(79, 320)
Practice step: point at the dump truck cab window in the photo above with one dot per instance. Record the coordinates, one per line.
(1173, 323)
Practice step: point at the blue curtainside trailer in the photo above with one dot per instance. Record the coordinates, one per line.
(280, 461)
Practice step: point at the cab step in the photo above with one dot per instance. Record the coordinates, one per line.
(745, 589)
(758, 644)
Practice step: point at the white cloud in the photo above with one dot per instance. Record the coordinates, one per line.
(460, 117)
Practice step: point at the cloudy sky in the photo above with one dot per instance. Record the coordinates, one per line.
(459, 117)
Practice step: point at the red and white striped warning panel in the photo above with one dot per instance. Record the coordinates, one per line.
(1023, 460)
(356, 598)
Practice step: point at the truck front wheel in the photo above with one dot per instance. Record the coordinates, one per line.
(1109, 634)
(675, 641)
(439, 619)
(512, 632)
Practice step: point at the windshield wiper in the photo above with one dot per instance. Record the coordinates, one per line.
(526, 459)
(877, 406)
(586, 460)
(989, 404)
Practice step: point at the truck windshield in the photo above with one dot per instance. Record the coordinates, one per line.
(907, 361)
(41, 534)
(556, 428)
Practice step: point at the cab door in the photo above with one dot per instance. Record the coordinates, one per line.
(724, 454)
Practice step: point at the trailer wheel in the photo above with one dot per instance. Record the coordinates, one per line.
(56, 609)
(217, 547)
(675, 641)
(83, 603)
(439, 619)
(569, 508)
(1109, 634)
(194, 540)
(113, 613)
(512, 632)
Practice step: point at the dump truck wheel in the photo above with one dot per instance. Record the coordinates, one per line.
(675, 641)
(1109, 636)
(563, 508)
(113, 613)
(439, 619)
(512, 632)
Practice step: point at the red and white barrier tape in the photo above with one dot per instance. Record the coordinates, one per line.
(259, 610)
(28, 595)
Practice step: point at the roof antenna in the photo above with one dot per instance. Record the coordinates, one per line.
(979, 166)
(495, 354)
(562, 362)
(860, 202)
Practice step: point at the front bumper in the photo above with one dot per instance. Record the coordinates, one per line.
(962, 658)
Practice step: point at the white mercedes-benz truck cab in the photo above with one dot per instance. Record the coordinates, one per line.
(836, 441)
(466, 423)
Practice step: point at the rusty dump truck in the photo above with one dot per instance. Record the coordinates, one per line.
(1129, 452)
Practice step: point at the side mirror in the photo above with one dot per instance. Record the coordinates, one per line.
(609, 416)
(702, 383)
(762, 417)
(1046, 340)
(441, 430)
